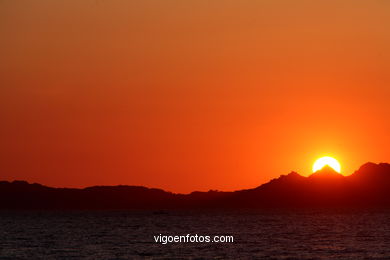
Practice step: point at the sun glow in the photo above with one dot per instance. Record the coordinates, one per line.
(327, 161)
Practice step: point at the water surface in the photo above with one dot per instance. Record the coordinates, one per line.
(299, 234)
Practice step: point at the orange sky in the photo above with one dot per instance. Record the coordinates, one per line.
(190, 95)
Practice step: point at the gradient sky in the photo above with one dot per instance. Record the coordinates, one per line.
(190, 95)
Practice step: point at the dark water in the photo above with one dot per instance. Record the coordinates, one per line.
(314, 234)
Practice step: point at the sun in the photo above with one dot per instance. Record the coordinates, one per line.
(331, 162)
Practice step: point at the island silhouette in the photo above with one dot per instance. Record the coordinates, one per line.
(369, 186)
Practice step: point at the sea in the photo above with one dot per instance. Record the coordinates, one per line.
(253, 234)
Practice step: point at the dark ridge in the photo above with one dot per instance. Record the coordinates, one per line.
(369, 186)
(326, 172)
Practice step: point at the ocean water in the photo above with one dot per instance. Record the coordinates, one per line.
(300, 234)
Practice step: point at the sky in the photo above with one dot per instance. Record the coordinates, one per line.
(190, 95)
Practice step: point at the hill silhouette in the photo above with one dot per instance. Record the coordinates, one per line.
(369, 186)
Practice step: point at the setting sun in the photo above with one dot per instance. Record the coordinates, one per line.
(327, 161)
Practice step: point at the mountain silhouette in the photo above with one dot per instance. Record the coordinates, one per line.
(326, 172)
(369, 186)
